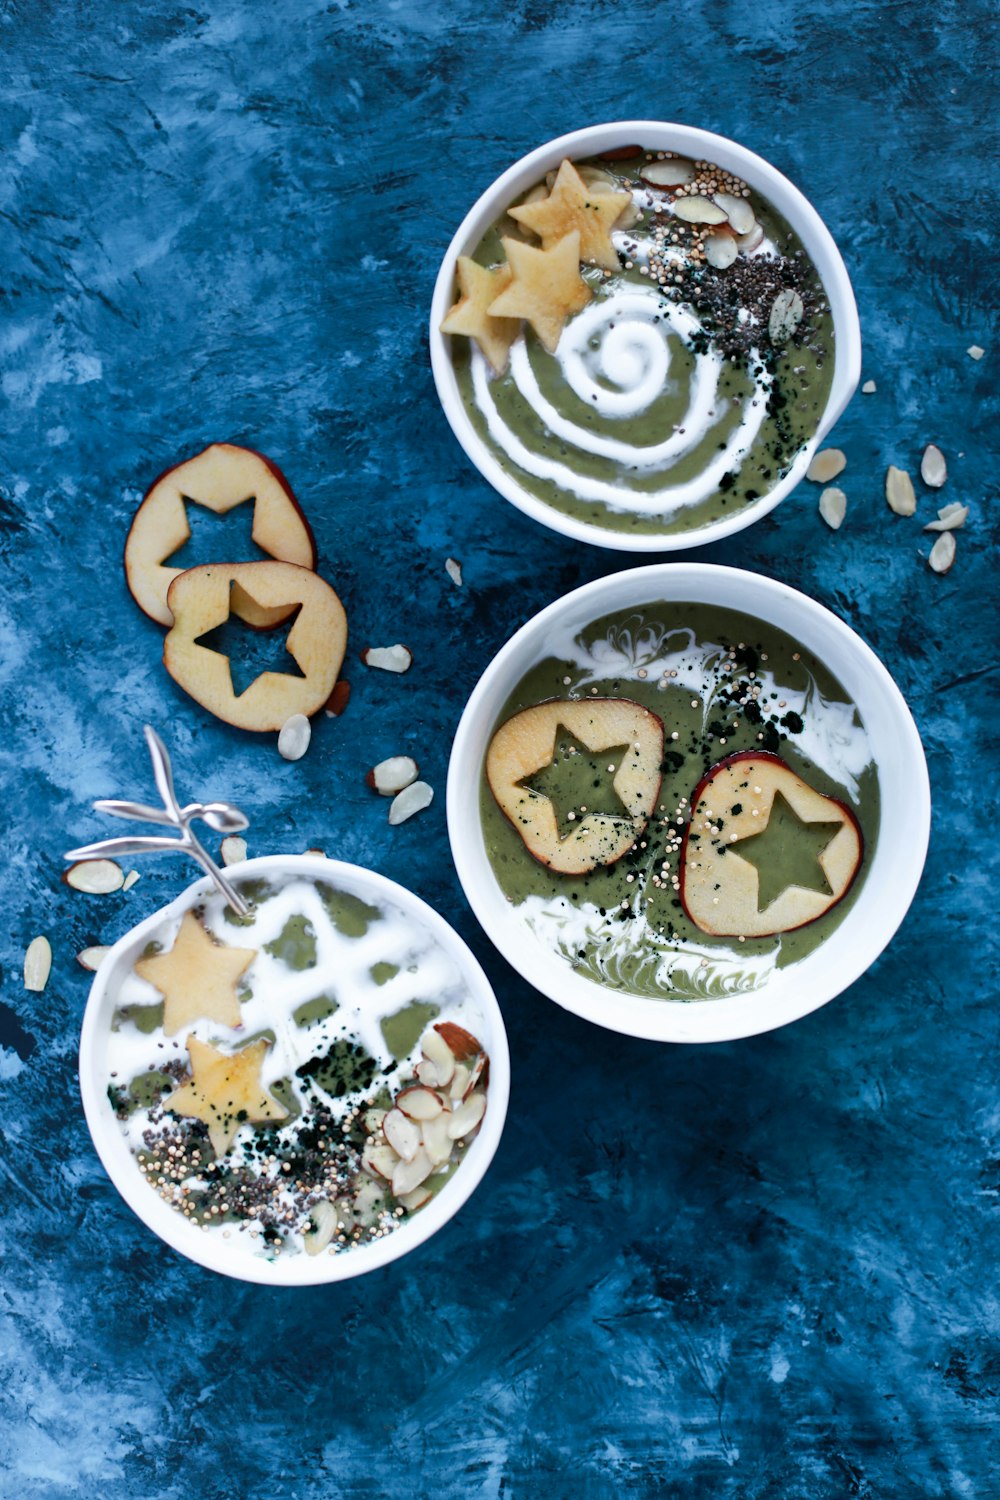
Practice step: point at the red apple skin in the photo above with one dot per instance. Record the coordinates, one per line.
(278, 475)
(696, 796)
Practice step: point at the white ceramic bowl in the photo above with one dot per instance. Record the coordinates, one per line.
(292, 1270)
(657, 136)
(894, 866)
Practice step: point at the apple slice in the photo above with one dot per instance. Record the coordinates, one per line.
(199, 601)
(219, 478)
(527, 743)
(720, 888)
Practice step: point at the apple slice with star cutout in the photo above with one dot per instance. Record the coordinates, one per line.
(200, 601)
(218, 479)
(577, 779)
(764, 851)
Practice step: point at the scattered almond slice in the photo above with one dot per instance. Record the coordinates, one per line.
(130, 879)
(96, 877)
(293, 737)
(380, 1161)
(950, 518)
(933, 469)
(698, 210)
(324, 1218)
(720, 250)
(467, 1116)
(410, 1174)
(674, 171)
(974, 352)
(460, 1083)
(92, 958)
(419, 1103)
(414, 1200)
(453, 568)
(826, 465)
(833, 507)
(37, 964)
(337, 701)
(785, 317)
(943, 552)
(738, 211)
(460, 1043)
(749, 242)
(437, 1141)
(869, 388)
(401, 1134)
(316, 853)
(233, 849)
(412, 799)
(899, 491)
(438, 1065)
(396, 658)
(392, 775)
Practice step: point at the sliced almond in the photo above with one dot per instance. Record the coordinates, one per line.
(401, 1134)
(461, 1043)
(438, 1065)
(412, 1201)
(294, 736)
(869, 388)
(380, 1161)
(826, 465)
(785, 317)
(130, 880)
(833, 507)
(950, 518)
(738, 211)
(315, 853)
(430, 1074)
(37, 964)
(396, 658)
(943, 552)
(92, 958)
(337, 701)
(233, 849)
(436, 1139)
(899, 491)
(460, 1083)
(392, 775)
(749, 242)
(410, 1174)
(453, 568)
(412, 799)
(974, 352)
(467, 1116)
(419, 1103)
(324, 1219)
(698, 210)
(478, 1071)
(97, 877)
(673, 171)
(720, 250)
(933, 469)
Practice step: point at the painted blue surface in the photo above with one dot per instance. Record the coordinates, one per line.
(764, 1269)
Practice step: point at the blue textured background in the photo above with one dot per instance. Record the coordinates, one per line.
(764, 1269)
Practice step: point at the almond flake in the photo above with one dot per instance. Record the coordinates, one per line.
(410, 800)
(749, 242)
(97, 877)
(467, 1116)
(293, 737)
(410, 1174)
(438, 1065)
(899, 491)
(436, 1140)
(869, 388)
(91, 958)
(943, 552)
(833, 507)
(974, 351)
(675, 171)
(419, 1103)
(698, 210)
(392, 775)
(414, 1200)
(314, 853)
(401, 1134)
(337, 701)
(388, 658)
(738, 211)
(950, 518)
(324, 1219)
(130, 880)
(933, 469)
(234, 849)
(453, 568)
(720, 250)
(37, 964)
(826, 465)
(786, 315)
(380, 1161)
(459, 1085)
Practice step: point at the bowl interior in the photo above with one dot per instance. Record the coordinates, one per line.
(657, 135)
(301, 1269)
(894, 867)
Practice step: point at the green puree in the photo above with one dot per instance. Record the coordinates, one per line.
(788, 850)
(802, 370)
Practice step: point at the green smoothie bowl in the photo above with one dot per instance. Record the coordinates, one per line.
(640, 334)
(688, 803)
(300, 1094)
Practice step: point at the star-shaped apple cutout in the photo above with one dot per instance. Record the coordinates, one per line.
(547, 288)
(479, 286)
(572, 205)
(251, 652)
(225, 1091)
(787, 852)
(578, 781)
(197, 978)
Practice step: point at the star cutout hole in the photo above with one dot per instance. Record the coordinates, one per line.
(786, 852)
(214, 536)
(578, 781)
(251, 651)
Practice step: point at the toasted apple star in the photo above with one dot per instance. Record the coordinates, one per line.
(573, 205)
(197, 978)
(225, 1092)
(547, 287)
(479, 286)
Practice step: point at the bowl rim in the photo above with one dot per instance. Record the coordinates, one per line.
(794, 206)
(297, 1270)
(856, 941)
